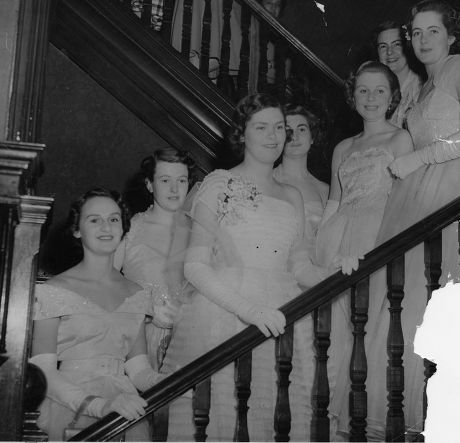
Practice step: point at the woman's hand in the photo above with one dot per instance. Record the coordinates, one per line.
(130, 406)
(348, 264)
(268, 320)
(402, 166)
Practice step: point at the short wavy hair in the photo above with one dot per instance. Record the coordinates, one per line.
(243, 112)
(314, 122)
(73, 219)
(374, 66)
(450, 18)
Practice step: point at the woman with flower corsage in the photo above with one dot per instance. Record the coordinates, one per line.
(429, 178)
(246, 228)
(152, 252)
(90, 320)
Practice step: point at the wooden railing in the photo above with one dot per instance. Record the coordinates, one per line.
(234, 75)
(315, 300)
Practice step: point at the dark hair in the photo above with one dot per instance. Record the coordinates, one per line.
(243, 112)
(73, 219)
(449, 15)
(314, 123)
(385, 26)
(374, 66)
(167, 154)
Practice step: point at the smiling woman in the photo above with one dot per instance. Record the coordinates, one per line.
(90, 319)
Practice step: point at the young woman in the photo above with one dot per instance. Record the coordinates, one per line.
(304, 127)
(361, 183)
(245, 227)
(90, 319)
(152, 253)
(431, 180)
(392, 50)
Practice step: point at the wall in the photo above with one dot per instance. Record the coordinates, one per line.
(8, 28)
(91, 139)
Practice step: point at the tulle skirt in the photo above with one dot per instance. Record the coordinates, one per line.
(204, 325)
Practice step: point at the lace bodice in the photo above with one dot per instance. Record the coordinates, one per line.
(365, 178)
(87, 330)
(438, 114)
(249, 222)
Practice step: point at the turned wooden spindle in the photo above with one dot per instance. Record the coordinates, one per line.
(223, 81)
(283, 353)
(395, 425)
(187, 28)
(320, 395)
(243, 376)
(205, 38)
(243, 73)
(358, 362)
(201, 407)
(166, 26)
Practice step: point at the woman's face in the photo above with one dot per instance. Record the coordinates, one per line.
(170, 185)
(390, 50)
(372, 95)
(301, 140)
(430, 40)
(265, 135)
(100, 226)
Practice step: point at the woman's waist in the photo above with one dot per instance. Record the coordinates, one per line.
(97, 365)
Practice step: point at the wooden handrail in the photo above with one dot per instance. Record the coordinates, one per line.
(206, 365)
(279, 29)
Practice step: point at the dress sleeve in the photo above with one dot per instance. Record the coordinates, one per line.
(52, 301)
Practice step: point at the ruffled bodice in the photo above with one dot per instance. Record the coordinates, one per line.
(438, 114)
(365, 178)
(86, 330)
(250, 223)
(142, 263)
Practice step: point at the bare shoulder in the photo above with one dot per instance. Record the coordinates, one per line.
(292, 194)
(401, 143)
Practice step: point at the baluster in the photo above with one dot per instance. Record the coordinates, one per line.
(320, 420)
(205, 38)
(187, 28)
(395, 426)
(168, 11)
(223, 81)
(146, 13)
(263, 68)
(280, 68)
(243, 376)
(433, 271)
(358, 363)
(160, 421)
(243, 72)
(201, 406)
(283, 353)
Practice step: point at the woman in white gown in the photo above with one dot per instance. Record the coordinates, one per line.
(361, 183)
(152, 252)
(433, 180)
(304, 127)
(245, 228)
(90, 319)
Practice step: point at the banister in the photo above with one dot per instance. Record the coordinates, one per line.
(279, 29)
(204, 366)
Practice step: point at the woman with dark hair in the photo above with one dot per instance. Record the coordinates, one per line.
(152, 253)
(393, 51)
(431, 180)
(90, 319)
(241, 260)
(304, 130)
(361, 183)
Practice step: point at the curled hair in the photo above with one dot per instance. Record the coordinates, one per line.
(391, 24)
(244, 110)
(73, 219)
(449, 15)
(373, 66)
(167, 154)
(314, 123)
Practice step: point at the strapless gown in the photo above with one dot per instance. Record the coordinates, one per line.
(420, 194)
(352, 231)
(262, 236)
